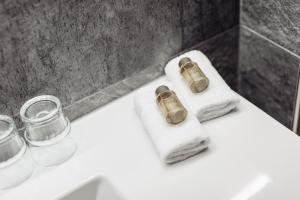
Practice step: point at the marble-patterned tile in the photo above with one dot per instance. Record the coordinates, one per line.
(222, 50)
(206, 18)
(268, 76)
(72, 49)
(112, 92)
(278, 20)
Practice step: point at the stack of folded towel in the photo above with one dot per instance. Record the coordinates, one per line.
(175, 143)
(217, 100)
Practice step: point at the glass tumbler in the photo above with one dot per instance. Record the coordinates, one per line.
(47, 130)
(16, 164)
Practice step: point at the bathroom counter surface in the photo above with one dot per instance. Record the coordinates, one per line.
(251, 156)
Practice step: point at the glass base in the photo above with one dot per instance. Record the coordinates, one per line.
(16, 172)
(54, 154)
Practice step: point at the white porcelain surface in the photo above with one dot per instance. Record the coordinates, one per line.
(56, 153)
(95, 189)
(251, 156)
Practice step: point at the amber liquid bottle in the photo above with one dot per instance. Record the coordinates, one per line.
(169, 104)
(193, 75)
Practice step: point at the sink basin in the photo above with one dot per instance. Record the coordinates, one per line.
(251, 156)
(95, 189)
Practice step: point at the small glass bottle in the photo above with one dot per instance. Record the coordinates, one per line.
(193, 75)
(169, 104)
(47, 130)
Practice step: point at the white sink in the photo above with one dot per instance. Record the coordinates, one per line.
(251, 157)
(95, 189)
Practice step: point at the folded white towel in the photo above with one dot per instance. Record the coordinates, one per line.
(173, 143)
(217, 100)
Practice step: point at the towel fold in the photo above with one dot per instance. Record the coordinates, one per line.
(217, 100)
(173, 143)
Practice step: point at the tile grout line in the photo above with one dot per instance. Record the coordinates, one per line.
(271, 41)
(181, 10)
(238, 61)
(240, 11)
(297, 105)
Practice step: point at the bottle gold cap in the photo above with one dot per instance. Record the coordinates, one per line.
(161, 89)
(183, 61)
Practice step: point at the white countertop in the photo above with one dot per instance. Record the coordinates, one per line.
(251, 156)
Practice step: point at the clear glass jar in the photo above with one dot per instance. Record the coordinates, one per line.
(47, 130)
(16, 164)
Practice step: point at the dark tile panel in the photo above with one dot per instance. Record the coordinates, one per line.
(73, 49)
(203, 19)
(268, 76)
(276, 19)
(222, 50)
(112, 92)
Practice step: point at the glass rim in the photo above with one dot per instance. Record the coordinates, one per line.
(34, 100)
(11, 126)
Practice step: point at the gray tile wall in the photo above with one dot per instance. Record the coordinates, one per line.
(203, 19)
(222, 50)
(278, 20)
(268, 76)
(269, 55)
(90, 52)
